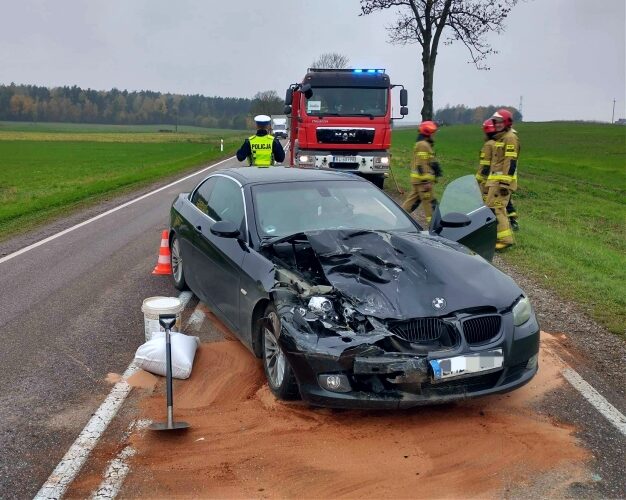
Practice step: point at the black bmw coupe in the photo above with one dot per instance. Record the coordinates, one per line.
(347, 300)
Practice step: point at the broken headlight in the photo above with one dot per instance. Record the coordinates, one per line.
(321, 305)
(522, 311)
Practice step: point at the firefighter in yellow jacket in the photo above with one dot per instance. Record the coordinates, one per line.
(502, 179)
(424, 171)
(486, 152)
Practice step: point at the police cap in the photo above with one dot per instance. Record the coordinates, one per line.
(262, 120)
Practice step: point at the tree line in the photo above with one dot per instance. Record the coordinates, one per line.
(74, 104)
(461, 114)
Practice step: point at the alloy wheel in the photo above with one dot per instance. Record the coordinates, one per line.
(274, 357)
(177, 261)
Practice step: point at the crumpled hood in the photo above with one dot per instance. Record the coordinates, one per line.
(397, 275)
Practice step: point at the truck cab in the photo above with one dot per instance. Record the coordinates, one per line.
(341, 120)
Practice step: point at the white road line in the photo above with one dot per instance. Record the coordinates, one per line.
(185, 297)
(596, 399)
(114, 475)
(196, 319)
(118, 468)
(76, 456)
(70, 465)
(108, 212)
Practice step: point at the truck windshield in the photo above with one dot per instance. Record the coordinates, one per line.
(347, 101)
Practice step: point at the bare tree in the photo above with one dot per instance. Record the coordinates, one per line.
(426, 21)
(331, 60)
(267, 102)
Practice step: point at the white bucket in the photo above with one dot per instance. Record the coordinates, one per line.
(153, 306)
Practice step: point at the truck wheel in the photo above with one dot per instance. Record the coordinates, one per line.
(377, 180)
(278, 372)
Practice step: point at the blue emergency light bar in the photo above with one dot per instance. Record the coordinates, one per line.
(368, 70)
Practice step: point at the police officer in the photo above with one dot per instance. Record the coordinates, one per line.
(502, 179)
(262, 149)
(486, 152)
(424, 171)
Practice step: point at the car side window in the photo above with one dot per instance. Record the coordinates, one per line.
(201, 196)
(226, 202)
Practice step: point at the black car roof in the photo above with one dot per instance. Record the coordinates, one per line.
(255, 175)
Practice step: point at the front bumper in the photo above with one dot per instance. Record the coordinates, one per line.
(402, 380)
(365, 163)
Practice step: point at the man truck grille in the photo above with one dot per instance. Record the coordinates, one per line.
(345, 135)
(481, 329)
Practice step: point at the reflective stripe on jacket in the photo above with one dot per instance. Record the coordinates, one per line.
(261, 150)
(421, 171)
(504, 159)
(484, 162)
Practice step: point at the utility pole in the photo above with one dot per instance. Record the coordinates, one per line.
(519, 108)
(613, 115)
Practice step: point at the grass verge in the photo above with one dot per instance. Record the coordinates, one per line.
(43, 177)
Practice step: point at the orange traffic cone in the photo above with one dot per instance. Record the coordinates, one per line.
(164, 264)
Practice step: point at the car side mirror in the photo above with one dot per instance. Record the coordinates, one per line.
(287, 110)
(307, 90)
(404, 111)
(289, 97)
(404, 97)
(455, 219)
(225, 229)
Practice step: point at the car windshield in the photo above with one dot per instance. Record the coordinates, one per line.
(338, 101)
(289, 208)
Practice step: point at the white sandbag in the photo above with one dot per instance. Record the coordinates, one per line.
(151, 355)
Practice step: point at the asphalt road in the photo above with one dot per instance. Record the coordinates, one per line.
(70, 313)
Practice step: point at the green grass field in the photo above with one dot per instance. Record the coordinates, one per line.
(90, 128)
(571, 203)
(47, 170)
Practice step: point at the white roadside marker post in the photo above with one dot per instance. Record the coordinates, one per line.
(222, 145)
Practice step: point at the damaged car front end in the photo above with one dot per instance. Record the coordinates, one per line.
(348, 301)
(370, 319)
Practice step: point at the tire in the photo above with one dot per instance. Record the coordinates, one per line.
(377, 180)
(178, 271)
(278, 372)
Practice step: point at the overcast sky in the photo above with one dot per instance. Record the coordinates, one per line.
(566, 57)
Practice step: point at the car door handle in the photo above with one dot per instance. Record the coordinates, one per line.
(198, 228)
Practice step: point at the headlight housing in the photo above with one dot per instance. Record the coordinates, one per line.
(522, 311)
(306, 160)
(381, 162)
(321, 305)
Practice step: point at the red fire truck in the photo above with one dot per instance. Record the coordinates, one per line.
(341, 119)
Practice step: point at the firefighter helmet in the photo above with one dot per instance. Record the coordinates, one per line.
(503, 115)
(489, 127)
(427, 128)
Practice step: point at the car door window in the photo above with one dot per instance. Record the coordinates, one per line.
(200, 197)
(226, 202)
(461, 195)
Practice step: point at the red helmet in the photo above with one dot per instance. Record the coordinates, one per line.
(489, 127)
(427, 128)
(505, 116)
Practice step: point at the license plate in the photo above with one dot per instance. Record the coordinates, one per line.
(463, 366)
(344, 159)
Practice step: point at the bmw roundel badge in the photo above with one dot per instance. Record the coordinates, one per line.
(439, 303)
